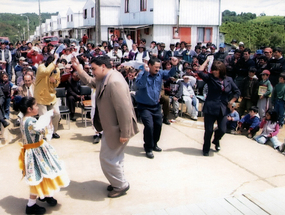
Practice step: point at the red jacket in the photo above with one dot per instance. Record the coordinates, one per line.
(36, 59)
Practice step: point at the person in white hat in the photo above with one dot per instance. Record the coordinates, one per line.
(35, 56)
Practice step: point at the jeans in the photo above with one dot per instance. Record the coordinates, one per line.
(7, 108)
(279, 107)
(262, 139)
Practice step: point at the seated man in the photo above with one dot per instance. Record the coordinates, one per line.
(73, 93)
(131, 80)
(189, 98)
(26, 89)
(174, 89)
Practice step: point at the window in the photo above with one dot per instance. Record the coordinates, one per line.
(67, 18)
(143, 5)
(127, 3)
(71, 17)
(85, 14)
(204, 35)
(92, 12)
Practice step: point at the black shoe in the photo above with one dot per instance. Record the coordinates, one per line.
(96, 139)
(5, 123)
(217, 145)
(110, 188)
(35, 209)
(175, 115)
(55, 135)
(206, 153)
(165, 121)
(50, 200)
(149, 155)
(157, 149)
(115, 194)
(17, 123)
(73, 119)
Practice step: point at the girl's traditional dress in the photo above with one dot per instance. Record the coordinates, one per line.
(38, 160)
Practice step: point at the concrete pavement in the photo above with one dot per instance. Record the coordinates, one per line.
(178, 176)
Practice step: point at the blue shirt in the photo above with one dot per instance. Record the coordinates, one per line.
(149, 86)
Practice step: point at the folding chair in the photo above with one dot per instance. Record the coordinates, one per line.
(64, 110)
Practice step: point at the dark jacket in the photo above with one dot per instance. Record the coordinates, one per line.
(276, 67)
(172, 88)
(220, 56)
(244, 66)
(218, 98)
(249, 89)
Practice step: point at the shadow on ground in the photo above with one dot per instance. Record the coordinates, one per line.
(135, 151)
(88, 190)
(188, 151)
(14, 205)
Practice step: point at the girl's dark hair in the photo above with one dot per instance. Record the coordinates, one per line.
(2, 74)
(25, 103)
(273, 115)
(220, 66)
(50, 59)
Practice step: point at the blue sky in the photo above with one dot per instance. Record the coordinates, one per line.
(270, 7)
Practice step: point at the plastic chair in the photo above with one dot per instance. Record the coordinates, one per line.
(85, 91)
(64, 110)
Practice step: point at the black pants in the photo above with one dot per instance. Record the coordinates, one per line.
(209, 121)
(71, 103)
(247, 126)
(152, 119)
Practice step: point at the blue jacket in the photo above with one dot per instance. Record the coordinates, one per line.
(253, 121)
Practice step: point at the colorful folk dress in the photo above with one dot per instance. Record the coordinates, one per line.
(41, 166)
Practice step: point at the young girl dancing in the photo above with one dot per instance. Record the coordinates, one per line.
(38, 160)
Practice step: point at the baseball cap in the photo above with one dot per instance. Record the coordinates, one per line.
(267, 72)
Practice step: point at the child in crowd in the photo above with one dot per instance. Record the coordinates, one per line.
(263, 101)
(250, 122)
(270, 130)
(233, 118)
(249, 92)
(278, 99)
(6, 86)
(38, 160)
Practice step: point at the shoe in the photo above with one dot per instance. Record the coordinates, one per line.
(50, 200)
(165, 121)
(249, 135)
(217, 145)
(206, 153)
(195, 118)
(35, 209)
(149, 155)
(175, 115)
(55, 135)
(157, 149)
(5, 123)
(17, 123)
(73, 119)
(282, 147)
(115, 194)
(96, 139)
(238, 132)
(110, 188)
(232, 132)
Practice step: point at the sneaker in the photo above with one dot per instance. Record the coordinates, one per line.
(35, 209)
(194, 118)
(232, 132)
(50, 200)
(249, 135)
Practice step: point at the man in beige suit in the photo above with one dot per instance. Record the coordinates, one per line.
(114, 115)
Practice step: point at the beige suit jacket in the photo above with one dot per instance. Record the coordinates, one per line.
(22, 91)
(114, 108)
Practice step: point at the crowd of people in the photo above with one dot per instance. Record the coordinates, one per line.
(238, 89)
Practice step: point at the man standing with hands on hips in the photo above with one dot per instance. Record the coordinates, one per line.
(147, 96)
(114, 114)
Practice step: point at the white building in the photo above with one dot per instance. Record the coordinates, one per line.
(62, 24)
(53, 26)
(158, 20)
(47, 27)
(110, 18)
(74, 18)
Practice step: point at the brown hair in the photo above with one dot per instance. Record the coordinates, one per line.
(220, 66)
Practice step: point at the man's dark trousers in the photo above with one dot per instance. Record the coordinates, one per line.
(152, 119)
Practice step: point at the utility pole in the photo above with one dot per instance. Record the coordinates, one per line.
(97, 23)
(40, 20)
(28, 27)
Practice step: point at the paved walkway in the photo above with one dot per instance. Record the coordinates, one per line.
(243, 178)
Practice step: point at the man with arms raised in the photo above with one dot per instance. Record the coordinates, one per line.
(147, 96)
(114, 115)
